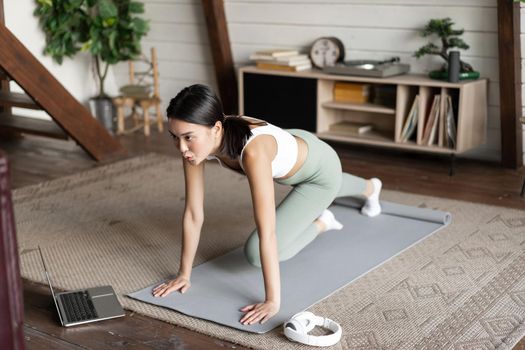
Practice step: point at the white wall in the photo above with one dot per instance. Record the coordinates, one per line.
(375, 30)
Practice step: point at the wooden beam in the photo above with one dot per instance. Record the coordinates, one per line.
(11, 301)
(49, 94)
(510, 83)
(221, 52)
(4, 83)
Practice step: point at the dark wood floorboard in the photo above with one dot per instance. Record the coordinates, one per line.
(36, 159)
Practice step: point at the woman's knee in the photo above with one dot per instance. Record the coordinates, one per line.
(251, 250)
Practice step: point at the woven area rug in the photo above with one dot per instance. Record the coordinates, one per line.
(461, 288)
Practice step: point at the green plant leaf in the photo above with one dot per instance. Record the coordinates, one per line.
(108, 22)
(136, 7)
(48, 3)
(140, 25)
(86, 46)
(107, 9)
(111, 39)
(71, 5)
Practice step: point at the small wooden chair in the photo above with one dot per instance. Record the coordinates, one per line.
(144, 103)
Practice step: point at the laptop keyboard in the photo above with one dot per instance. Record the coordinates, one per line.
(78, 306)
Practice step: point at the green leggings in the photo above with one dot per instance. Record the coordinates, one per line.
(315, 185)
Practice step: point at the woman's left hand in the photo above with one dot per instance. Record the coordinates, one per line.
(259, 312)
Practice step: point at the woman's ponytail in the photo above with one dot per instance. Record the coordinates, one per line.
(236, 132)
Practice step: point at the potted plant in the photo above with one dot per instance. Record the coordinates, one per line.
(450, 38)
(108, 29)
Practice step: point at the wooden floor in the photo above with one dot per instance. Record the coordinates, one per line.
(35, 159)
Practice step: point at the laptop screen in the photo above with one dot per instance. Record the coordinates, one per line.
(50, 286)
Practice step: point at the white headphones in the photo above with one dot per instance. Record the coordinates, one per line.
(297, 328)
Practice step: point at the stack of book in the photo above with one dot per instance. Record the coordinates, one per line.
(351, 92)
(352, 128)
(281, 59)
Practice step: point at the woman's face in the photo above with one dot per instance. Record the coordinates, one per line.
(194, 141)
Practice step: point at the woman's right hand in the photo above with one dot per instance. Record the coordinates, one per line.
(180, 283)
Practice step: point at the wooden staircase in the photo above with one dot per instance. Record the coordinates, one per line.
(25, 125)
(70, 118)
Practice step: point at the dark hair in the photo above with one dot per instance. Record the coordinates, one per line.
(198, 104)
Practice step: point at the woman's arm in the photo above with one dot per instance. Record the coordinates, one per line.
(192, 220)
(193, 216)
(257, 162)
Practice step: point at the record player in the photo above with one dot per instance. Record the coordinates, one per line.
(368, 68)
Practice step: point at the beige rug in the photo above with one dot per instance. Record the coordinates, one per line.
(462, 288)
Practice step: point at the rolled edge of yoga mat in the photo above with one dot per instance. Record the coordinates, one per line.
(395, 209)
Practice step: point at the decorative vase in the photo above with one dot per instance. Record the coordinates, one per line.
(103, 110)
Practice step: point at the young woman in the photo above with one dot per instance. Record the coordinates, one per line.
(264, 153)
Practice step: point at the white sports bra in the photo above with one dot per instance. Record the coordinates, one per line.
(287, 149)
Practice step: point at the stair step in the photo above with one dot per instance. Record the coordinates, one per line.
(33, 126)
(16, 99)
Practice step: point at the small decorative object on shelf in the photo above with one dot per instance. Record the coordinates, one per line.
(327, 51)
(450, 38)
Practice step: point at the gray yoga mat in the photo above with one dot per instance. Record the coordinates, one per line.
(220, 287)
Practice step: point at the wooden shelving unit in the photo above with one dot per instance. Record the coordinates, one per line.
(469, 99)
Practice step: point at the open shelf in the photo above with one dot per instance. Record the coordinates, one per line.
(382, 103)
(378, 140)
(370, 136)
(366, 107)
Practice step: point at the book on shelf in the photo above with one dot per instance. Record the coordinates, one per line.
(384, 95)
(351, 92)
(287, 63)
(343, 96)
(411, 121)
(292, 58)
(430, 127)
(273, 54)
(346, 127)
(273, 66)
(351, 86)
(450, 124)
(442, 132)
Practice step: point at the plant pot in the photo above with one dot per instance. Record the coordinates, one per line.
(443, 75)
(103, 110)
